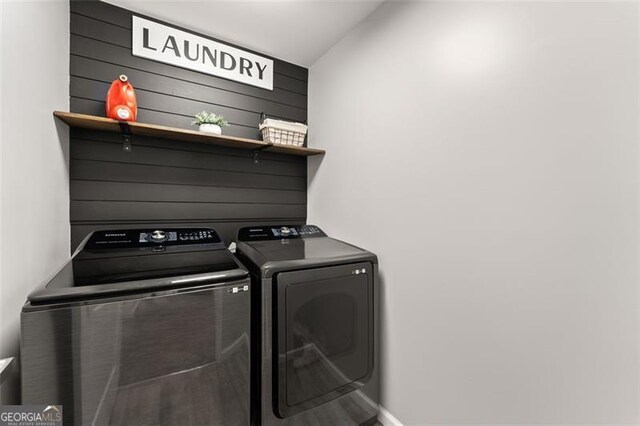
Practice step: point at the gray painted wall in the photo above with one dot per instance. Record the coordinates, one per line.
(172, 183)
(33, 161)
(488, 153)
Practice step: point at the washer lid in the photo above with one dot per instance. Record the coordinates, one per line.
(109, 262)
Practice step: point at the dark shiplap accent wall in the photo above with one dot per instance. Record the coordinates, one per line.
(173, 183)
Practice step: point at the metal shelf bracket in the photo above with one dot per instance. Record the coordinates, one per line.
(256, 154)
(126, 136)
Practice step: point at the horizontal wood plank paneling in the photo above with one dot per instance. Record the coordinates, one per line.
(89, 190)
(145, 154)
(167, 183)
(131, 172)
(81, 66)
(98, 211)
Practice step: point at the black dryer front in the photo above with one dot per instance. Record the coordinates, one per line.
(315, 321)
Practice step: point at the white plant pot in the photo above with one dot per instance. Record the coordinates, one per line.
(210, 128)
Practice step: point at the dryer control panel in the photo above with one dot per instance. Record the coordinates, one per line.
(278, 232)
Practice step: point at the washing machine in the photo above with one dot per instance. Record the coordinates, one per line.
(142, 327)
(314, 327)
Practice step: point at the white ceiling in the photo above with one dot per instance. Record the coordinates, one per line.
(298, 31)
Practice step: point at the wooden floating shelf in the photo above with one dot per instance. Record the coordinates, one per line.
(93, 122)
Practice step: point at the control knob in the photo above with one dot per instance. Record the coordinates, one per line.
(158, 236)
(285, 232)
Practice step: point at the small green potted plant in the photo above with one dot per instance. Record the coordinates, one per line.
(209, 122)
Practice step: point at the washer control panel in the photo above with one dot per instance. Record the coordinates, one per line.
(140, 238)
(279, 232)
(179, 236)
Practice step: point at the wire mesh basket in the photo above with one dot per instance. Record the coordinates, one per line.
(282, 132)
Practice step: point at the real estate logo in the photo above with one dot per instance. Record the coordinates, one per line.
(30, 415)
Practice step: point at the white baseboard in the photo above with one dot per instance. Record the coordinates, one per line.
(387, 419)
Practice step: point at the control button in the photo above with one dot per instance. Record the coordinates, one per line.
(285, 232)
(158, 236)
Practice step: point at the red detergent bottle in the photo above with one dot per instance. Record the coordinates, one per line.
(121, 100)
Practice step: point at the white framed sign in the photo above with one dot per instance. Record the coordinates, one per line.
(162, 43)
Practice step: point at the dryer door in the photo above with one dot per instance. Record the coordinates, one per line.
(324, 335)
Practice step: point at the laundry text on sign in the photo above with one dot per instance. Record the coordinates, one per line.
(163, 43)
